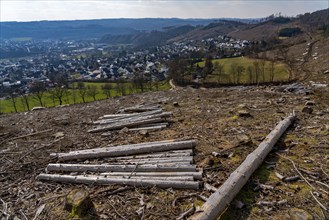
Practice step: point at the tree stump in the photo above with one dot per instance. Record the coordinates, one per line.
(79, 204)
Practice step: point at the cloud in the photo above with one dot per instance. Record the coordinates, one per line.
(25, 10)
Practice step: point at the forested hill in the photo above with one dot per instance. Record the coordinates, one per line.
(87, 29)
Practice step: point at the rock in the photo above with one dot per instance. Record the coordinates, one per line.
(281, 100)
(175, 104)
(243, 113)
(59, 134)
(124, 130)
(215, 154)
(326, 72)
(297, 88)
(238, 204)
(145, 133)
(61, 106)
(326, 127)
(37, 108)
(307, 110)
(319, 85)
(208, 162)
(242, 138)
(299, 214)
(63, 120)
(309, 103)
(242, 106)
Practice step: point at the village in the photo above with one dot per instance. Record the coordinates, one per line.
(93, 61)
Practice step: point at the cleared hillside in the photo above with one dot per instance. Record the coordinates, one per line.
(210, 116)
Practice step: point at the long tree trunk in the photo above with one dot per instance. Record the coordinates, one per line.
(219, 200)
(127, 150)
(130, 182)
(169, 167)
(196, 175)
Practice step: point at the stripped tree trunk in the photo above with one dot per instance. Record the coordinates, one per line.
(219, 200)
(169, 167)
(196, 175)
(127, 150)
(123, 124)
(187, 160)
(130, 182)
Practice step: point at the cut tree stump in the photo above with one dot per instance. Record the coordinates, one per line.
(79, 204)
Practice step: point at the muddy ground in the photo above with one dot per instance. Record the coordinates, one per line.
(211, 116)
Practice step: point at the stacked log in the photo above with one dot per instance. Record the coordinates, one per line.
(142, 117)
(163, 164)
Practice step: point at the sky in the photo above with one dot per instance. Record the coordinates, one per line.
(34, 10)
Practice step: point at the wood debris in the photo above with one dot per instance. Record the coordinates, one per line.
(165, 164)
(219, 200)
(141, 117)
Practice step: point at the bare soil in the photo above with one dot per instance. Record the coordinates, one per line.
(208, 115)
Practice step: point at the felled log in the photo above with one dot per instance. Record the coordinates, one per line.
(130, 182)
(128, 117)
(150, 128)
(116, 116)
(219, 200)
(128, 124)
(188, 160)
(167, 154)
(135, 118)
(141, 108)
(126, 150)
(196, 175)
(169, 167)
(128, 146)
(169, 178)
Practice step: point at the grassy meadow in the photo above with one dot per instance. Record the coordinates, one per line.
(72, 96)
(280, 73)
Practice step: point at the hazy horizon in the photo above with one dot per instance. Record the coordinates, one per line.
(57, 10)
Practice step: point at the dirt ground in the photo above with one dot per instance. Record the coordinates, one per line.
(210, 116)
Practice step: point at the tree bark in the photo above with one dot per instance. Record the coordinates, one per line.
(119, 125)
(219, 200)
(126, 150)
(196, 175)
(186, 160)
(127, 116)
(130, 182)
(168, 167)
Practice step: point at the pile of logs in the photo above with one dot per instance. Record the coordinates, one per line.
(142, 117)
(165, 164)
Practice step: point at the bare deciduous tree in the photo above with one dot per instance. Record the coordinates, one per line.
(250, 72)
(219, 71)
(82, 91)
(233, 71)
(272, 69)
(240, 69)
(38, 89)
(93, 91)
(106, 88)
(257, 71)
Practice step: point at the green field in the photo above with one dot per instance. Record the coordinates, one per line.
(6, 106)
(21, 39)
(280, 73)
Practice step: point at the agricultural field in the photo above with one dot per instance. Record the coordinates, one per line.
(280, 72)
(73, 96)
